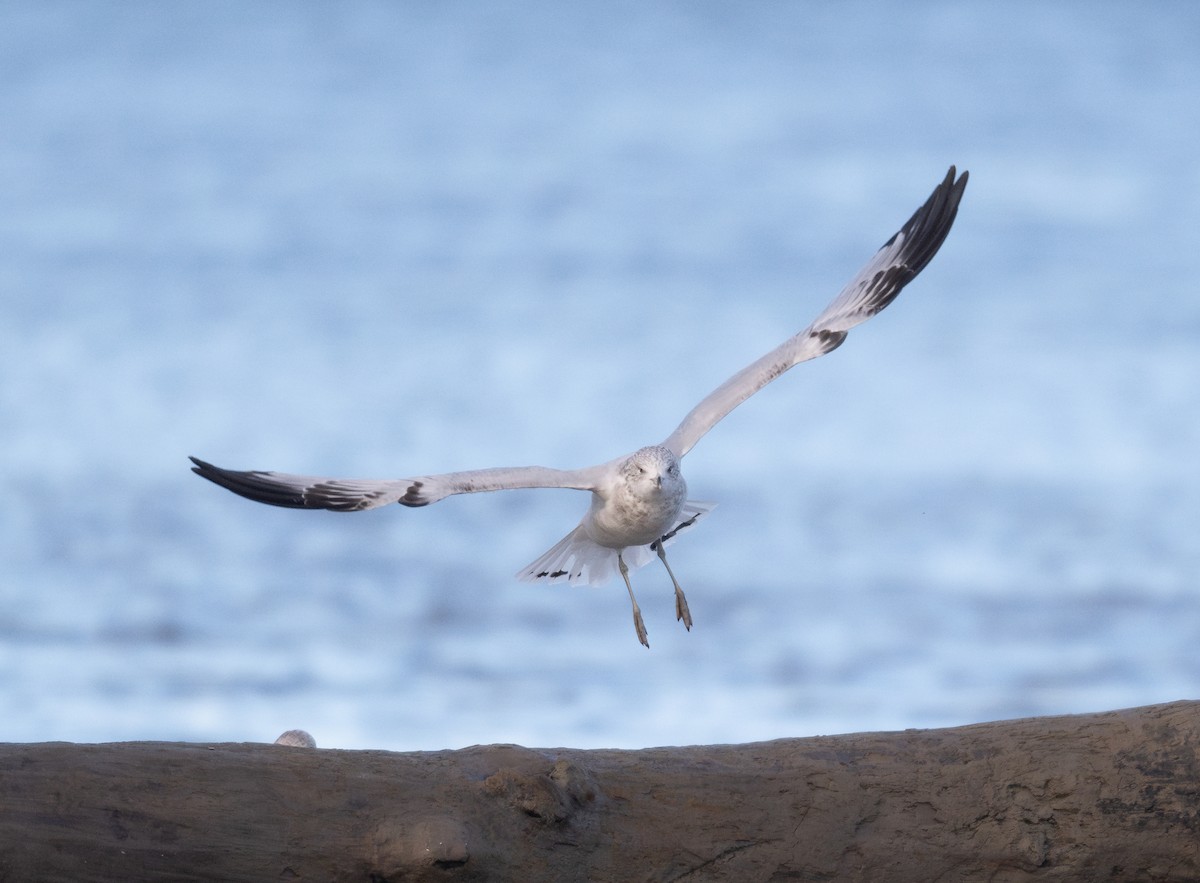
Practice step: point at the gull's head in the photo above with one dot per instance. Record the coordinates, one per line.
(653, 467)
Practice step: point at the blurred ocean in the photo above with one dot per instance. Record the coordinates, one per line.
(378, 240)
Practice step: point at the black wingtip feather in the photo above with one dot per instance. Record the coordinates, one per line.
(924, 233)
(251, 485)
(929, 226)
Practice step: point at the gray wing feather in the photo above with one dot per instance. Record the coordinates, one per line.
(351, 495)
(874, 287)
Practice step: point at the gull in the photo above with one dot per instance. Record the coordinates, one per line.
(639, 501)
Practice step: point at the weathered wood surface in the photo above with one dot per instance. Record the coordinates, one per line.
(1110, 796)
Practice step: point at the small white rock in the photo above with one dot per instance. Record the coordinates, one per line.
(297, 738)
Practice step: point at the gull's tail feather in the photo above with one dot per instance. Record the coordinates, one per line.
(576, 559)
(579, 560)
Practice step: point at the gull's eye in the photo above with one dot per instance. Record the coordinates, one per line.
(641, 470)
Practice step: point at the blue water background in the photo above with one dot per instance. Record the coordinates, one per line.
(378, 240)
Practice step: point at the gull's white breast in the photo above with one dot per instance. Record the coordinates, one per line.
(635, 514)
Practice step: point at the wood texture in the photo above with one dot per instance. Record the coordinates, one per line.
(1110, 796)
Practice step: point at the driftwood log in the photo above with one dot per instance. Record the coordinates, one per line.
(1111, 796)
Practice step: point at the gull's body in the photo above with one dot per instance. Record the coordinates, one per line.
(639, 501)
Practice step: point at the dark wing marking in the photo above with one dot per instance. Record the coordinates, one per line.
(307, 492)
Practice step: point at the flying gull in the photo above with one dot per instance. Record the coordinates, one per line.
(639, 501)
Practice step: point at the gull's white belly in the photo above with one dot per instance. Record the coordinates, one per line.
(628, 519)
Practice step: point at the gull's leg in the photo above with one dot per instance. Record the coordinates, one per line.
(681, 608)
(637, 611)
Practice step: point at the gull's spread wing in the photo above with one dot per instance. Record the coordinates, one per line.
(350, 495)
(895, 264)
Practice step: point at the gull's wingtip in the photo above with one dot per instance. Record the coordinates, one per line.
(215, 474)
(953, 180)
(205, 469)
(288, 491)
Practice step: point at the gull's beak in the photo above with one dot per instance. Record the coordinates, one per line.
(658, 480)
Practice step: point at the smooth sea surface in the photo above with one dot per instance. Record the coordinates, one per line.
(391, 239)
